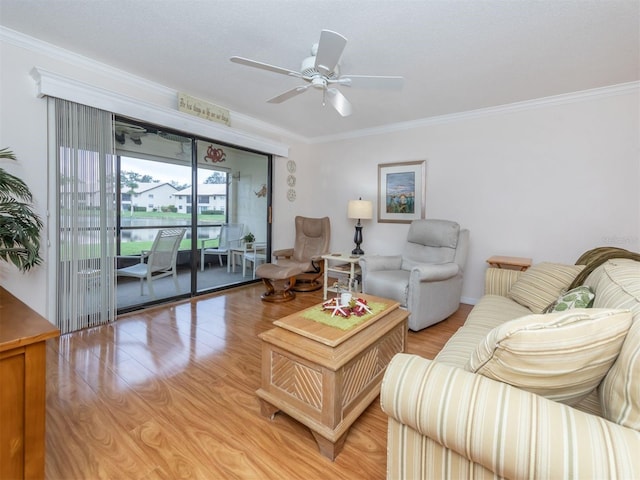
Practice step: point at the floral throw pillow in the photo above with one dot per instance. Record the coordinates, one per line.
(579, 297)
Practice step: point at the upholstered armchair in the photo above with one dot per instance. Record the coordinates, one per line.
(300, 268)
(426, 278)
(312, 241)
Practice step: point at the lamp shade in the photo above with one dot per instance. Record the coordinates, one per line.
(360, 209)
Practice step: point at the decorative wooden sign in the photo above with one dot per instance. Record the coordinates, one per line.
(202, 109)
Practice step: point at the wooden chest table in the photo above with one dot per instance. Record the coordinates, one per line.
(325, 377)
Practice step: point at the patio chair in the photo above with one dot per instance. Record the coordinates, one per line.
(161, 260)
(229, 237)
(256, 253)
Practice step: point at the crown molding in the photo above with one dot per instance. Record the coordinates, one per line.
(58, 53)
(50, 50)
(38, 46)
(595, 93)
(59, 86)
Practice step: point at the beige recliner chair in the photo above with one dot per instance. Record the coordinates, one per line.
(299, 268)
(426, 278)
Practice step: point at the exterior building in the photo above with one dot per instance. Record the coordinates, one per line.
(211, 197)
(150, 196)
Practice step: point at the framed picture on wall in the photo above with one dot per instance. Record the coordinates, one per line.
(401, 191)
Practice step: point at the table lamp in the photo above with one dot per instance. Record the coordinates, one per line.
(359, 209)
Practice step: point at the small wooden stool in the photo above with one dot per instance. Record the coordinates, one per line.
(279, 280)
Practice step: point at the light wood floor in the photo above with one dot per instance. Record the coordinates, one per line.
(170, 393)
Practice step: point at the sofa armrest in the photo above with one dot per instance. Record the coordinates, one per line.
(435, 272)
(509, 431)
(498, 281)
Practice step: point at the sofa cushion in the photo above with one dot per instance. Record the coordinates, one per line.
(488, 313)
(430, 241)
(562, 356)
(619, 285)
(592, 280)
(579, 297)
(542, 284)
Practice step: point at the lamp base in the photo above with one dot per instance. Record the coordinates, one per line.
(357, 239)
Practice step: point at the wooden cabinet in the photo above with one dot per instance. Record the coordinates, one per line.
(22, 393)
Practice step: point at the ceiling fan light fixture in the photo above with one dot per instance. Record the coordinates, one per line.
(319, 82)
(308, 69)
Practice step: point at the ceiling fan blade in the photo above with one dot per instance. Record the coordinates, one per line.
(372, 81)
(339, 101)
(264, 66)
(288, 94)
(330, 50)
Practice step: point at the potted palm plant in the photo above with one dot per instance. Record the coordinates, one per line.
(19, 225)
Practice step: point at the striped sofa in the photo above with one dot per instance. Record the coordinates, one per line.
(445, 421)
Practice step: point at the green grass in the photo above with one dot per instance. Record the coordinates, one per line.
(173, 216)
(134, 248)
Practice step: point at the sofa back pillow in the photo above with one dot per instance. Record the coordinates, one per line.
(542, 283)
(579, 297)
(619, 285)
(562, 356)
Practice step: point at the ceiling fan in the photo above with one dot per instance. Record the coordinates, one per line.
(322, 71)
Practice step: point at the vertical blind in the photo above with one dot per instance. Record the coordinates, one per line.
(86, 216)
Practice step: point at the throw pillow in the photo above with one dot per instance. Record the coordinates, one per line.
(619, 285)
(579, 297)
(542, 284)
(562, 356)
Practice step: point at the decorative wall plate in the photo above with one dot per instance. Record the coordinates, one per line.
(291, 166)
(291, 195)
(291, 180)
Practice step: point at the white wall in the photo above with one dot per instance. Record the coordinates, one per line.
(23, 128)
(548, 181)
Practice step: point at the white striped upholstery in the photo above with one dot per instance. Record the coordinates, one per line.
(489, 312)
(494, 427)
(498, 281)
(620, 391)
(562, 356)
(425, 458)
(445, 422)
(541, 284)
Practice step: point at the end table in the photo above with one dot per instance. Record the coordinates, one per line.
(515, 263)
(345, 263)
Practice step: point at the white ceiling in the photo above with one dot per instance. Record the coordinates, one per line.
(455, 56)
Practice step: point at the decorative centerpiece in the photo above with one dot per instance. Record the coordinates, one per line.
(356, 306)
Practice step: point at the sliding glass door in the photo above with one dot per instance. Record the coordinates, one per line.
(232, 188)
(216, 193)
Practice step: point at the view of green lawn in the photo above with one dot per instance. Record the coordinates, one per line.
(217, 218)
(154, 219)
(134, 248)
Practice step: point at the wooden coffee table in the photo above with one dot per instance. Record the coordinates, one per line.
(325, 377)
